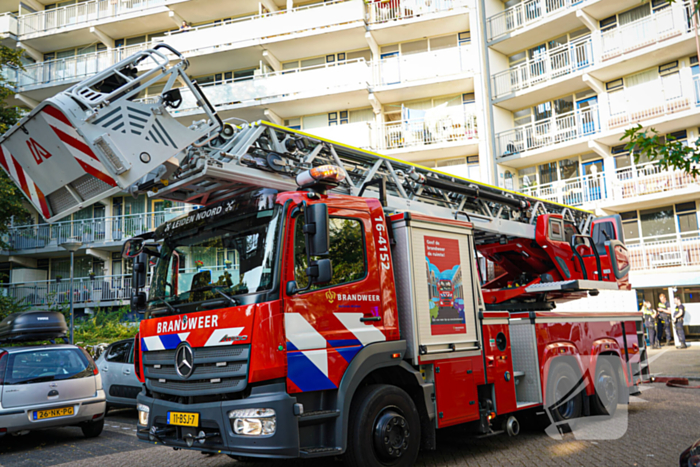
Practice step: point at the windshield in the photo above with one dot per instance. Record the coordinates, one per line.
(235, 254)
(47, 365)
(446, 285)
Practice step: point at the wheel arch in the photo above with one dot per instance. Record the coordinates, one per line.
(375, 364)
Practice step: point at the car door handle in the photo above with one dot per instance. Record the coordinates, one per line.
(127, 372)
(370, 318)
(104, 368)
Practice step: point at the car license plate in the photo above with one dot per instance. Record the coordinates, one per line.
(52, 413)
(183, 418)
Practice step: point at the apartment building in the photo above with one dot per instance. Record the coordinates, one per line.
(565, 79)
(402, 77)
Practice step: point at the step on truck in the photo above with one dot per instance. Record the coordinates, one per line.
(324, 300)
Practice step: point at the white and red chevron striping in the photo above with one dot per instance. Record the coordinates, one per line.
(80, 151)
(26, 184)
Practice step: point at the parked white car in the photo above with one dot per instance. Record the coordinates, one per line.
(116, 364)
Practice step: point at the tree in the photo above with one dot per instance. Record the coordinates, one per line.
(669, 153)
(11, 196)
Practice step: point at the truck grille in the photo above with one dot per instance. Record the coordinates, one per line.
(216, 370)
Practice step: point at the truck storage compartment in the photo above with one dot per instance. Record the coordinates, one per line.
(526, 367)
(33, 326)
(437, 291)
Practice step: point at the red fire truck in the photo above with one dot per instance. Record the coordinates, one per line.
(446, 293)
(291, 315)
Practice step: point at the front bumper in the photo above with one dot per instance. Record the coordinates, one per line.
(214, 422)
(21, 418)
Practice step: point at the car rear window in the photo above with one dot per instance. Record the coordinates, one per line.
(46, 365)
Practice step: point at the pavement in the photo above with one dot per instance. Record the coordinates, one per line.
(662, 422)
(669, 361)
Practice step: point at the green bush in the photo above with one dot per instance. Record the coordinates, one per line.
(104, 327)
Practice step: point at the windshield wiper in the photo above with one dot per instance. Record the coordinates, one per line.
(216, 288)
(164, 301)
(38, 379)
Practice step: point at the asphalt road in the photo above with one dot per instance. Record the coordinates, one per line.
(662, 422)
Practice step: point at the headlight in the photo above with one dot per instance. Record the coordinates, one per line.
(143, 410)
(253, 422)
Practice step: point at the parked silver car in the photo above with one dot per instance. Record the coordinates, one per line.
(116, 365)
(47, 386)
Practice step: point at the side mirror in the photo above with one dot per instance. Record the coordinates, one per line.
(132, 248)
(140, 271)
(320, 271)
(316, 218)
(138, 302)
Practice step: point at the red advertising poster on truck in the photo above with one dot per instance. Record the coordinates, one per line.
(445, 290)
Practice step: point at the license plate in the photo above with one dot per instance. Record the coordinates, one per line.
(183, 419)
(53, 413)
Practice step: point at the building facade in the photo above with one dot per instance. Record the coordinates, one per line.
(530, 95)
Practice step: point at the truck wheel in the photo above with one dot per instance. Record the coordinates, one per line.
(384, 428)
(562, 405)
(607, 389)
(93, 429)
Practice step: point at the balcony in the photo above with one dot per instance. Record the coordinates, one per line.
(556, 63)
(8, 29)
(522, 15)
(313, 81)
(658, 27)
(269, 27)
(649, 179)
(421, 66)
(576, 191)
(384, 11)
(71, 69)
(665, 95)
(359, 134)
(665, 251)
(570, 126)
(86, 291)
(92, 232)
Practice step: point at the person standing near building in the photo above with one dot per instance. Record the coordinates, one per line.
(678, 315)
(649, 315)
(665, 317)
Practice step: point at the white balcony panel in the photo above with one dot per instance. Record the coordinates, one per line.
(440, 125)
(563, 128)
(578, 191)
(562, 61)
(64, 70)
(649, 179)
(665, 251)
(316, 80)
(665, 95)
(425, 65)
(8, 24)
(85, 290)
(357, 134)
(522, 15)
(666, 24)
(394, 10)
(272, 24)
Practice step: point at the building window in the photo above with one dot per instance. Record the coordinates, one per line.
(630, 227)
(657, 222)
(687, 219)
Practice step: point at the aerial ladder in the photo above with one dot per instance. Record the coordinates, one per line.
(97, 138)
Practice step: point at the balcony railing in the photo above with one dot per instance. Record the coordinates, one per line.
(8, 24)
(665, 24)
(573, 192)
(423, 65)
(53, 72)
(439, 126)
(221, 34)
(358, 134)
(523, 14)
(381, 11)
(89, 231)
(83, 12)
(664, 251)
(664, 95)
(85, 290)
(315, 78)
(564, 60)
(648, 179)
(558, 129)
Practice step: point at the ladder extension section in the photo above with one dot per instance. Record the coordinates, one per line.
(94, 139)
(268, 155)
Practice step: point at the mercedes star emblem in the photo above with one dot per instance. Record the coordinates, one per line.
(184, 360)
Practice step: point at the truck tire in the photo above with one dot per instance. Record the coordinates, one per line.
(93, 429)
(607, 389)
(562, 406)
(384, 428)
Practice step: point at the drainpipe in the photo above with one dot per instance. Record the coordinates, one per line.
(488, 106)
